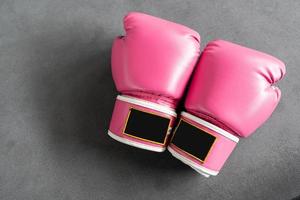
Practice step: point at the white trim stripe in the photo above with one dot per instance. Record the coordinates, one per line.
(135, 144)
(200, 169)
(210, 126)
(148, 104)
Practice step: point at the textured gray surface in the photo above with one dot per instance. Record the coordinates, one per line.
(57, 94)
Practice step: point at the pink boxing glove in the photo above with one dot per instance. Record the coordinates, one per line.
(232, 93)
(151, 66)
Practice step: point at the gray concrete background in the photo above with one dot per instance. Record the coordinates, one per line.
(57, 95)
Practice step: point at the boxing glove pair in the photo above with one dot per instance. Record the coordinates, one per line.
(230, 95)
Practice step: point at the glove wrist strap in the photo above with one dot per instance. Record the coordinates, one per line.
(141, 123)
(202, 145)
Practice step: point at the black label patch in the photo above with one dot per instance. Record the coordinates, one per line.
(147, 126)
(193, 140)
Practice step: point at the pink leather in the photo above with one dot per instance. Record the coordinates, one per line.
(155, 58)
(152, 62)
(218, 154)
(234, 87)
(120, 114)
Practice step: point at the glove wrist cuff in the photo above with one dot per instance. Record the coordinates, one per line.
(141, 123)
(201, 145)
